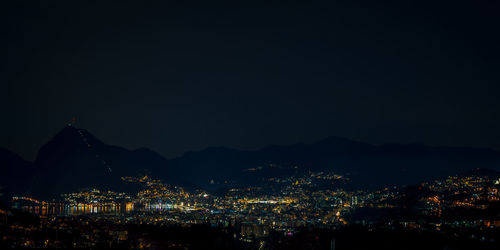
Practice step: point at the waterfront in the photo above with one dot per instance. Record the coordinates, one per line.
(59, 209)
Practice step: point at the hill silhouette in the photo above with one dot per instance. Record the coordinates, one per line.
(74, 159)
(15, 173)
(368, 166)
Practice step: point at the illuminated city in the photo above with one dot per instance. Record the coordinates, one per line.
(273, 125)
(279, 205)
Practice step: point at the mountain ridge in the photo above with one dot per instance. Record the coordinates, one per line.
(74, 158)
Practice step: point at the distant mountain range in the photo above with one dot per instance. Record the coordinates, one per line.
(75, 159)
(368, 166)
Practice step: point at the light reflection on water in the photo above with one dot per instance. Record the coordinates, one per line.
(55, 209)
(82, 209)
(78, 209)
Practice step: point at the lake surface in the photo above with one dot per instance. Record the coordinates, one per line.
(77, 209)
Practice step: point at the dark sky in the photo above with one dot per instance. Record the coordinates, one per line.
(183, 76)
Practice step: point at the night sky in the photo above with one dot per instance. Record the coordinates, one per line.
(183, 76)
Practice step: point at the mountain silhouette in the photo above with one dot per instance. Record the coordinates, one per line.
(14, 173)
(75, 159)
(368, 166)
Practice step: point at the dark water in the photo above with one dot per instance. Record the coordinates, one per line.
(80, 209)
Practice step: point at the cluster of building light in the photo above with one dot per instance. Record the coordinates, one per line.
(295, 202)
